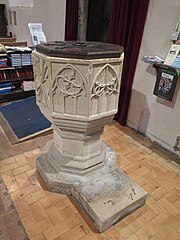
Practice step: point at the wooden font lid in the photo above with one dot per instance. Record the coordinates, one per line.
(80, 50)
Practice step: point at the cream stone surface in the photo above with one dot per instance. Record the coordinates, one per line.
(106, 194)
(80, 97)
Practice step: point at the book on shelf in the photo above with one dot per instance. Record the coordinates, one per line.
(10, 74)
(26, 59)
(3, 60)
(6, 87)
(27, 85)
(20, 59)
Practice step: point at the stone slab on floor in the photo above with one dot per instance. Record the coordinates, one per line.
(107, 195)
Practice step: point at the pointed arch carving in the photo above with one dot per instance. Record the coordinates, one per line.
(105, 82)
(70, 81)
(41, 75)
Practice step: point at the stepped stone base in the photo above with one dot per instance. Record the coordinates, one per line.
(106, 194)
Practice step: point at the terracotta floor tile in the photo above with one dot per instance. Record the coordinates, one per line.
(71, 218)
(8, 177)
(32, 161)
(53, 216)
(86, 223)
(141, 212)
(92, 236)
(150, 181)
(131, 168)
(133, 237)
(120, 225)
(166, 183)
(22, 169)
(21, 160)
(175, 223)
(65, 202)
(154, 205)
(7, 161)
(135, 223)
(159, 236)
(56, 230)
(176, 182)
(39, 237)
(148, 188)
(38, 212)
(113, 234)
(147, 231)
(142, 170)
(22, 180)
(13, 187)
(38, 228)
(173, 196)
(28, 221)
(169, 206)
(9, 167)
(138, 180)
(158, 193)
(169, 233)
(177, 204)
(52, 199)
(22, 192)
(163, 218)
(125, 232)
(23, 208)
(35, 196)
(76, 233)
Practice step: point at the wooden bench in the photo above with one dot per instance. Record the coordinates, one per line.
(15, 44)
(3, 39)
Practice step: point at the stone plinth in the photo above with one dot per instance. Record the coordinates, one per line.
(77, 89)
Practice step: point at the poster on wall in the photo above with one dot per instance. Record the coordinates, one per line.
(166, 82)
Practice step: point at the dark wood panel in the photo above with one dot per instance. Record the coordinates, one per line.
(16, 95)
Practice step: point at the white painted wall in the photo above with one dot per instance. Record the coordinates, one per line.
(157, 118)
(26, 3)
(50, 13)
(3, 1)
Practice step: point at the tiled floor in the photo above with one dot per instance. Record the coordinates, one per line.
(9, 218)
(52, 216)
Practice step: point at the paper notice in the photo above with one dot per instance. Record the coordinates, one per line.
(37, 34)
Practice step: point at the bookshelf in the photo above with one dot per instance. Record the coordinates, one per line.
(14, 82)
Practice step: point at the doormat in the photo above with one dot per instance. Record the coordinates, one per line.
(22, 120)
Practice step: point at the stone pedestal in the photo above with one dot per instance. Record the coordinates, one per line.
(77, 88)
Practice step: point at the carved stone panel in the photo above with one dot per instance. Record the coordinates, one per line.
(41, 78)
(104, 90)
(77, 87)
(69, 87)
(105, 82)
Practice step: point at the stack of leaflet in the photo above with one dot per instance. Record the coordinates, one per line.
(173, 56)
(6, 87)
(15, 59)
(26, 59)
